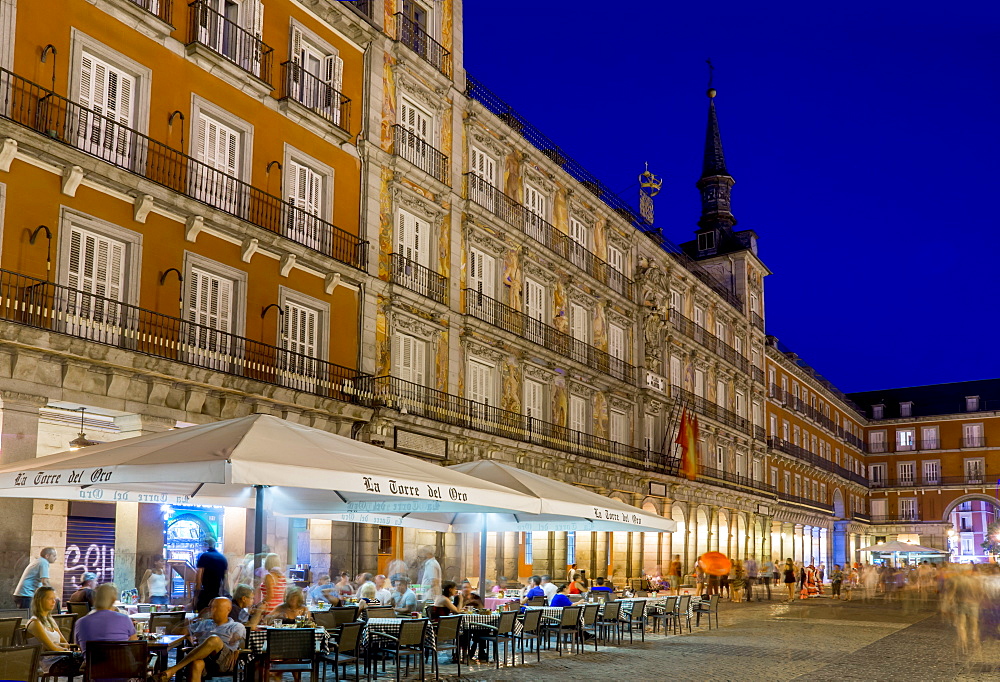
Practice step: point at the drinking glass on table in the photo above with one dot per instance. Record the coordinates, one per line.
(161, 630)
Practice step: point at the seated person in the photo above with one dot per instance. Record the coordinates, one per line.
(500, 584)
(218, 639)
(86, 591)
(42, 631)
(443, 604)
(290, 609)
(600, 586)
(323, 587)
(104, 624)
(562, 598)
(467, 597)
(366, 596)
(536, 589)
(404, 601)
(244, 610)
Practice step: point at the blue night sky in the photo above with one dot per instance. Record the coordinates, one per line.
(862, 139)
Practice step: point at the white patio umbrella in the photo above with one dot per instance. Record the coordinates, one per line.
(895, 547)
(304, 471)
(563, 507)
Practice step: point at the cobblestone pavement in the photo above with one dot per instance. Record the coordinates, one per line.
(820, 639)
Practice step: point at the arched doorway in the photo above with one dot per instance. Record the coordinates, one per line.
(970, 517)
(838, 503)
(739, 547)
(723, 541)
(701, 532)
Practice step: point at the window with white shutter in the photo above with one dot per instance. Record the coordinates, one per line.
(412, 237)
(218, 147)
(676, 376)
(579, 323)
(618, 424)
(579, 242)
(479, 382)
(534, 399)
(534, 309)
(210, 310)
(649, 437)
(699, 383)
(578, 414)
(482, 178)
(616, 342)
(415, 146)
(304, 192)
(97, 274)
(616, 274)
(316, 76)
(932, 472)
(537, 205)
(408, 358)
(107, 95)
(721, 394)
(481, 278)
(300, 334)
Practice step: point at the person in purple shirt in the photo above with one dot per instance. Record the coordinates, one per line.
(104, 624)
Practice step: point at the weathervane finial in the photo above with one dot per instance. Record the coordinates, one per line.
(711, 74)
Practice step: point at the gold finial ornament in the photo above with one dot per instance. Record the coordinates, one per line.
(711, 93)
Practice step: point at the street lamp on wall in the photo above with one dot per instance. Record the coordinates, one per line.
(180, 286)
(170, 124)
(48, 249)
(281, 315)
(45, 53)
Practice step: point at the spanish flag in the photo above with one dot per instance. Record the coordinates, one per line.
(687, 438)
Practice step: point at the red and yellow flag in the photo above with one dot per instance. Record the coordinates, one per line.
(687, 438)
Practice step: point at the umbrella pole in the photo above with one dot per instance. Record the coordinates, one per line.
(258, 530)
(482, 560)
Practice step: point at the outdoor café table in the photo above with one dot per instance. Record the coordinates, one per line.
(494, 603)
(391, 626)
(471, 621)
(160, 646)
(138, 617)
(257, 639)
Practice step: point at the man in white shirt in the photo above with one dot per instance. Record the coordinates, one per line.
(382, 593)
(430, 574)
(551, 589)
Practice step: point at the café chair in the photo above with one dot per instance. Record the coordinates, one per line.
(588, 624)
(610, 620)
(79, 608)
(409, 643)
(503, 632)
(664, 615)
(381, 612)
(175, 622)
(536, 601)
(566, 625)
(635, 619)
(19, 663)
(66, 621)
(335, 617)
(708, 608)
(531, 626)
(346, 650)
(290, 651)
(9, 627)
(683, 610)
(116, 661)
(447, 639)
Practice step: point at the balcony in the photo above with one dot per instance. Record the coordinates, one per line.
(973, 441)
(443, 407)
(896, 518)
(409, 146)
(709, 409)
(415, 277)
(805, 502)
(971, 479)
(314, 94)
(59, 119)
(44, 305)
(228, 39)
(756, 320)
(858, 516)
(709, 341)
(801, 453)
(728, 479)
(517, 323)
(756, 374)
(482, 193)
(161, 9)
(759, 433)
(411, 34)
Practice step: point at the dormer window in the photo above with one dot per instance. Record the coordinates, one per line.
(706, 241)
(878, 411)
(906, 409)
(972, 403)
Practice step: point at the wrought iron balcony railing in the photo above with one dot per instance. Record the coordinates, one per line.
(315, 94)
(805, 501)
(759, 433)
(482, 193)
(228, 39)
(878, 447)
(757, 374)
(510, 320)
(980, 479)
(785, 398)
(411, 34)
(729, 479)
(814, 459)
(708, 340)
(450, 409)
(896, 518)
(973, 441)
(858, 516)
(411, 147)
(709, 409)
(162, 9)
(44, 305)
(415, 277)
(108, 139)
(756, 320)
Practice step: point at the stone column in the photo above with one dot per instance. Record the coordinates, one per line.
(20, 542)
(138, 532)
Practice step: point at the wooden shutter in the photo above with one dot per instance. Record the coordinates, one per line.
(483, 166)
(535, 201)
(481, 272)
(305, 188)
(580, 323)
(210, 302)
(107, 91)
(534, 300)
(218, 145)
(96, 264)
(301, 329)
(480, 382)
(411, 234)
(333, 76)
(616, 342)
(414, 120)
(578, 232)
(578, 414)
(534, 400)
(408, 358)
(619, 427)
(616, 259)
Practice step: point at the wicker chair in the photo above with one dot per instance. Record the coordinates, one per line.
(174, 622)
(19, 663)
(409, 643)
(291, 651)
(567, 624)
(346, 650)
(79, 608)
(531, 630)
(9, 628)
(116, 661)
(610, 620)
(448, 639)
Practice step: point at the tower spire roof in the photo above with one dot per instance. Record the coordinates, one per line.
(715, 160)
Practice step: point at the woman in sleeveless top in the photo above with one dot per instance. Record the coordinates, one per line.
(44, 632)
(153, 586)
(444, 602)
(272, 590)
